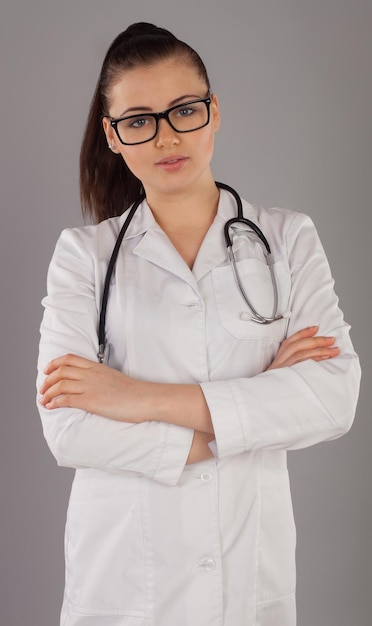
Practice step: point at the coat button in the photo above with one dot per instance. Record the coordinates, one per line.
(206, 477)
(207, 564)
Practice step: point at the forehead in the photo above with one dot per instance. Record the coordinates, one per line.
(155, 86)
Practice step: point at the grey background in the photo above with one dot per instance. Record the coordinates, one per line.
(294, 82)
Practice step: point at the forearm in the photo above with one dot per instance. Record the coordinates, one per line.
(286, 408)
(75, 382)
(181, 405)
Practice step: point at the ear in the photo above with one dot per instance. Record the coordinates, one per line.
(215, 112)
(110, 135)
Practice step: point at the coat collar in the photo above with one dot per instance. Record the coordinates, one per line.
(155, 247)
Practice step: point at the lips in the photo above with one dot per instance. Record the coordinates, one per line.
(172, 163)
(171, 159)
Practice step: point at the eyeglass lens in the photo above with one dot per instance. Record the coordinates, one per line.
(143, 127)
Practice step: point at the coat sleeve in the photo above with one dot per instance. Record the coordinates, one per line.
(293, 407)
(78, 439)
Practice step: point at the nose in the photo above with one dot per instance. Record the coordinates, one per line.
(166, 136)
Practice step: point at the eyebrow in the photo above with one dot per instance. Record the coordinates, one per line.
(172, 103)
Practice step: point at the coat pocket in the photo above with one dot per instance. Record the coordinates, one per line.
(105, 563)
(69, 618)
(233, 312)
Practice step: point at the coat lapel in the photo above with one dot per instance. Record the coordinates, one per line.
(155, 247)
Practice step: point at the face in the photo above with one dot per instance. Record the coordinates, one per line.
(171, 162)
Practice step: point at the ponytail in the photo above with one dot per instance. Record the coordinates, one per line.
(107, 186)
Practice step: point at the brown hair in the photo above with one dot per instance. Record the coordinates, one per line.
(107, 186)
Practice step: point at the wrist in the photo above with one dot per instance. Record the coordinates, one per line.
(179, 404)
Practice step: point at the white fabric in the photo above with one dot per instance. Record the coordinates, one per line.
(150, 541)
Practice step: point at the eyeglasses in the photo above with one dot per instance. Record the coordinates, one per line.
(183, 118)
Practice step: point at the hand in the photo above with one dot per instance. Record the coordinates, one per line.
(79, 383)
(303, 346)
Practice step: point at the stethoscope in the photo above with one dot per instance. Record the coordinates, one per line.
(239, 219)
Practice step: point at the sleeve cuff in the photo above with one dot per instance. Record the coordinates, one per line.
(230, 436)
(174, 457)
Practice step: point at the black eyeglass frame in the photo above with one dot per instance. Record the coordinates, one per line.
(159, 116)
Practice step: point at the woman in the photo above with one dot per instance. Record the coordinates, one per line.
(180, 510)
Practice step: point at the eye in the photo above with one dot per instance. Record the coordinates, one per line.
(138, 122)
(185, 111)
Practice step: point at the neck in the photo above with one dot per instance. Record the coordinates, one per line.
(185, 210)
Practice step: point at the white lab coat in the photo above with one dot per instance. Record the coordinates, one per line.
(150, 541)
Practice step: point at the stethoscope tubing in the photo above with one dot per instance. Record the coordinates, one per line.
(239, 219)
(110, 269)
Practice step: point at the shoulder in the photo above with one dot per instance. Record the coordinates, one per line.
(278, 219)
(98, 240)
(284, 228)
(274, 216)
(81, 254)
(91, 235)
(90, 238)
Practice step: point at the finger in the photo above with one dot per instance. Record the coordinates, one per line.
(71, 401)
(291, 348)
(327, 357)
(61, 388)
(71, 360)
(313, 343)
(291, 357)
(64, 372)
(317, 354)
(303, 333)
